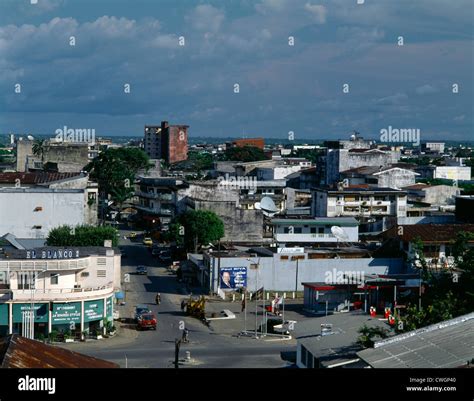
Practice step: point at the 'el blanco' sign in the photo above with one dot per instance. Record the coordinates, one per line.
(53, 254)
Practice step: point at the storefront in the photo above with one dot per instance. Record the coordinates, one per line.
(62, 317)
(40, 317)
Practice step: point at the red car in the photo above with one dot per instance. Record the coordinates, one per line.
(146, 321)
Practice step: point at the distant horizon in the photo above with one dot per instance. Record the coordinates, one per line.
(310, 141)
(270, 68)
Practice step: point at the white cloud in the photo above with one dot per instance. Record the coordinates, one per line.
(393, 99)
(206, 18)
(317, 12)
(425, 90)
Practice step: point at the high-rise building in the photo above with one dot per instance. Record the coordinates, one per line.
(167, 142)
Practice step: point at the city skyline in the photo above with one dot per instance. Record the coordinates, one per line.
(283, 88)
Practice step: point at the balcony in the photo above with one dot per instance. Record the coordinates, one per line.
(62, 294)
(307, 237)
(164, 197)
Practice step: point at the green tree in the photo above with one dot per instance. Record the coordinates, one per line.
(81, 236)
(196, 227)
(39, 148)
(368, 335)
(244, 154)
(115, 170)
(448, 293)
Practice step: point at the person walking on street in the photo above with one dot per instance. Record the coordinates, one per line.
(158, 298)
(185, 335)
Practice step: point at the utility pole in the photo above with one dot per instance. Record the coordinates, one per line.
(177, 345)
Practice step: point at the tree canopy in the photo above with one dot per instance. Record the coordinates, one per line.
(115, 170)
(448, 293)
(197, 227)
(244, 154)
(81, 236)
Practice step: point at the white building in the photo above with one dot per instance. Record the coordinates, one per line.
(290, 231)
(457, 173)
(437, 147)
(359, 202)
(33, 212)
(65, 285)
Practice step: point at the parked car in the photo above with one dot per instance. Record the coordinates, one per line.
(147, 241)
(141, 309)
(142, 270)
(146, 321)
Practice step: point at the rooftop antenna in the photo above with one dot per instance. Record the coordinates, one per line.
(340, 234)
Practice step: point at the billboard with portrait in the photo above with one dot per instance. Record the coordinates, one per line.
(232, 278)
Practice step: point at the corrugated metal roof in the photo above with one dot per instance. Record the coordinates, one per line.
(21, 352)
(448, 344)
(40, 177)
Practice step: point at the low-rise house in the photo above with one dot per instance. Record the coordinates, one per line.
(393, 176)
(331, 341)
(437, 239)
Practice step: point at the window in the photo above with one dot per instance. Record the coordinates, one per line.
(101, 273)
(85, 274)
(320, 230)
(26, 281)
(54, 279)
(310, 363)
(313, 230)
(101, 262)
(283, 257)
(298, 230)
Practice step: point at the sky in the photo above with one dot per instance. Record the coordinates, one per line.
(315, 69)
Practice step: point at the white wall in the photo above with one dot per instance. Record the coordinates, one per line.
(18, 215)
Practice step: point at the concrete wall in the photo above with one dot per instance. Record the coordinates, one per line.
(18, 215)
(239, 224)
(453, 173)
(280, 275)
(441, 195)
(23, 149)
(396, 178)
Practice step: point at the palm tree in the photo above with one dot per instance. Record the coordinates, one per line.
(39, 148)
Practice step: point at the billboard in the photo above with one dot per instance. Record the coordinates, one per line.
(232, 278)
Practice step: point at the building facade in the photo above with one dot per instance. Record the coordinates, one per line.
(69, 289)
(167, 142)
(359, 202)
(291, 231)
(33, 212)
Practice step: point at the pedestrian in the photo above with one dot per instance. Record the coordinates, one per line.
(183, 304)
(158, 298)
(185, 335)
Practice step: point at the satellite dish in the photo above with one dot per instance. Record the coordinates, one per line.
(340, 234)
(30, 137)
(267, 206)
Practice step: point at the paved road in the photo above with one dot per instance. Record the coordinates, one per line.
(217, 346)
